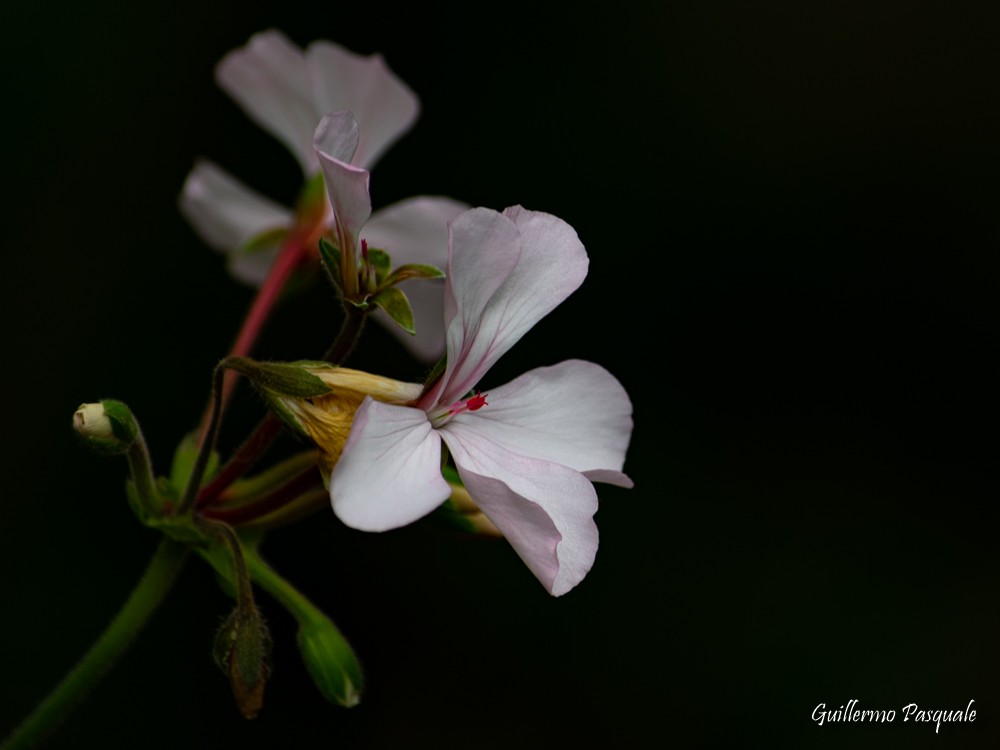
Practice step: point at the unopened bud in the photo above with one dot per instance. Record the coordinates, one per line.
(243, 651)
(327, 419)
(107, 425)
(331, 662)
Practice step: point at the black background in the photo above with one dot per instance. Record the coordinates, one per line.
(790, 210)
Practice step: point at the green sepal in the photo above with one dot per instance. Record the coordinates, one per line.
(395, 303)
(381, 262)
(266, 241)
(123, 424)
(330, 256)
(413, 271)
(331, 661)
(183, 463)
(278, 378)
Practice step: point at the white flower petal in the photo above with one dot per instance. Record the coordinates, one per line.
(506, 272)
(269, 79)
(415, 230)
(337, 135)
(346, 186)
(545, 510)
(575, 413)
(389, 473)
(223, 211)
(384, 106)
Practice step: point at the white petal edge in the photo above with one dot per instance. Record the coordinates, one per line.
(384, 106)
(545, 510)
(269, 79)
(574, 413)
(223, 211)
(389, 473)
(534, 263)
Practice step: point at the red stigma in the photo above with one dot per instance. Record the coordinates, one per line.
(477, 402)
(364, 249)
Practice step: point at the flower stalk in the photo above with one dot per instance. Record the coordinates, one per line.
(145, 598)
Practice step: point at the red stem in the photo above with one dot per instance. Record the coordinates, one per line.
(296, 487)
(245, 457)
(291, 255)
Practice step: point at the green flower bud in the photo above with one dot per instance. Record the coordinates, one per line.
(331, 662)
(242, 650)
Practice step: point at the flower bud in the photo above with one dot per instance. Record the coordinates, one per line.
(107, 426)
(331, 662)
(327, 419)
(242, 650)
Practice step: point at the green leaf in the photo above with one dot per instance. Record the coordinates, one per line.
(330, 255)
(269, 239)
(397, 305)
(380, 262)
(413, 271)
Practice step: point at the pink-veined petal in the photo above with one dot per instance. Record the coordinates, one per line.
(384, 106)
(506, 272)
(415, 230)
(347, 186)
(575, 413)
(269, 79)
(545, 510)
(389, 473)
(223, 211)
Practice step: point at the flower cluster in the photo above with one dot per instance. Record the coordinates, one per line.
(528, 456)
(287, 91)
(517, 460)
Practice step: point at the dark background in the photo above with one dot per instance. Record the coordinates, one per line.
(790, 210)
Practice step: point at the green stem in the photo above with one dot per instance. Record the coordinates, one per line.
(141, 468)
(350, 331)
(298, 606)
(327, 654)
(113, 642)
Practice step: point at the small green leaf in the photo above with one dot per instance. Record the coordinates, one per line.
(413, 271)
(268, 240)
(397, 305)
